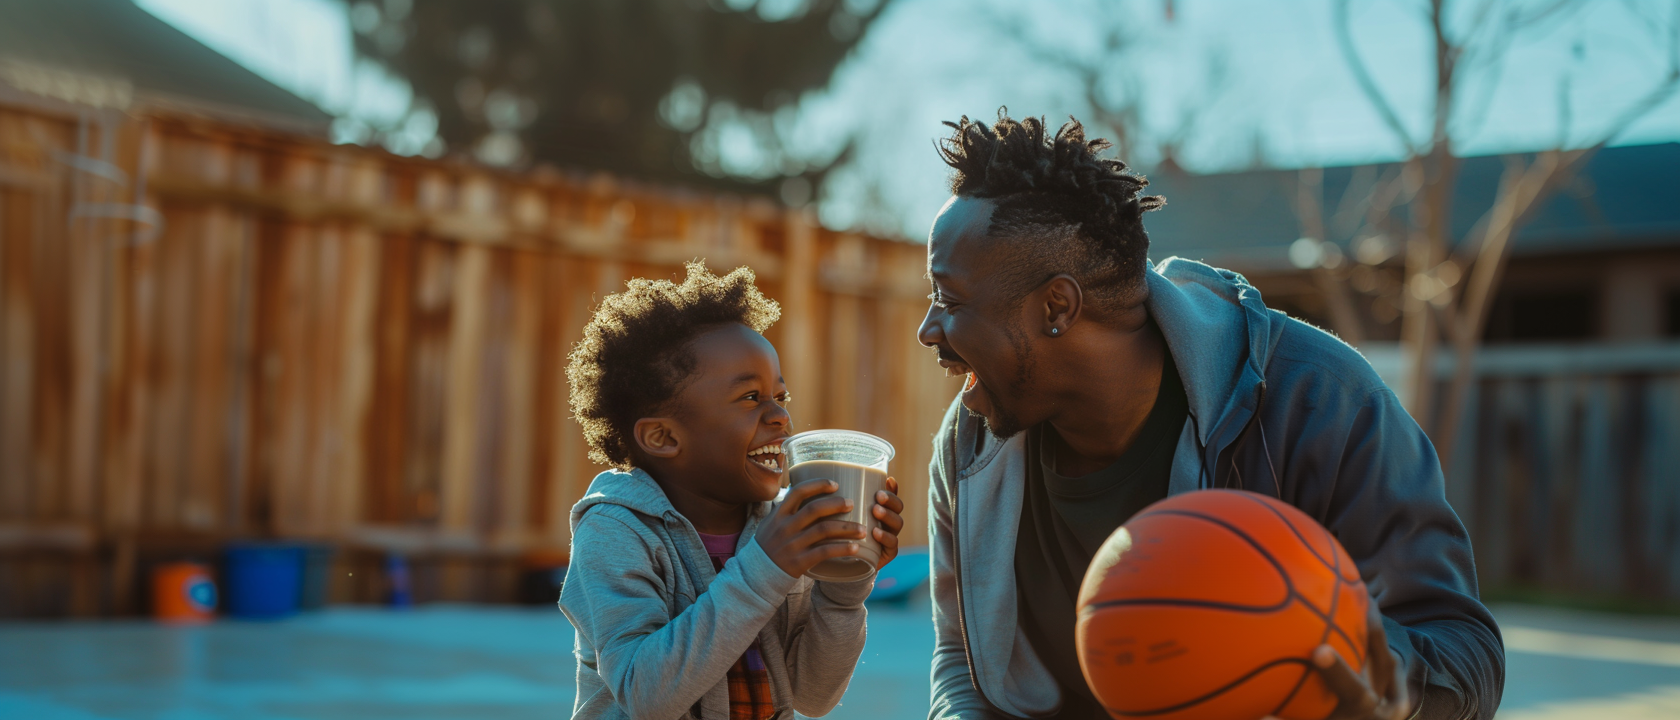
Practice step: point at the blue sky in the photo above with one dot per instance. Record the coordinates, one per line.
(1286, 96)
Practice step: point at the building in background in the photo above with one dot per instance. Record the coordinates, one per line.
(100, 54)
(1600, 263)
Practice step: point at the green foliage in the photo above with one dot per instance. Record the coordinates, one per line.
(618, 85)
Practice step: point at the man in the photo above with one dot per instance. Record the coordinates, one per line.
(1097, 384)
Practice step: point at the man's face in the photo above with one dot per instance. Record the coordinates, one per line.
(973, 326)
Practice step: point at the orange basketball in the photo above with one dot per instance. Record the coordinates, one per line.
(1208, 605)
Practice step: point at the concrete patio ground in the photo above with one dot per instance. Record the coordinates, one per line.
(474, 663)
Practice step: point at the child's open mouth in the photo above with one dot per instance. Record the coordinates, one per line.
(768, 457)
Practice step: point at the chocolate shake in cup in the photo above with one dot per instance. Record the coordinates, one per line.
(857, 462)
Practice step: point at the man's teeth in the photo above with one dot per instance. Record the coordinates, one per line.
(770, 464)
(771, 449)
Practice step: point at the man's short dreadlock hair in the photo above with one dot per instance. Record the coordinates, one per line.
(635, 356)
(1063, 208)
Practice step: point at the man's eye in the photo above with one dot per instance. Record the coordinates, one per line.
(938, 302)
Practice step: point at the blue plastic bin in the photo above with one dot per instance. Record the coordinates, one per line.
(264, 580)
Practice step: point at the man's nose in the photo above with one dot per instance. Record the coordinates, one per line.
(930, 333)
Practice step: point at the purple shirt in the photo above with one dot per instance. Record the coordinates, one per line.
(722, 548)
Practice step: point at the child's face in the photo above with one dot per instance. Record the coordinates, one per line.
(730, 418)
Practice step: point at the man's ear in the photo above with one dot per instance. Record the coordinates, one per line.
(1064, 302)
(658, 437)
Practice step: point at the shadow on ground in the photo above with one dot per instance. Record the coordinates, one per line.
(469, 663)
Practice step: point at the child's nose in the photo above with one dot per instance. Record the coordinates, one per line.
(778, 415)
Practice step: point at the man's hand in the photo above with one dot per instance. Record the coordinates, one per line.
(887, 509)
(1378, 693)
(793, 533)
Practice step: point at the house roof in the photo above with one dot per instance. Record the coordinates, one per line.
(1624, 198)
(118, 40)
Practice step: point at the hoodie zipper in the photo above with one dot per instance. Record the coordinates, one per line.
(956, 570)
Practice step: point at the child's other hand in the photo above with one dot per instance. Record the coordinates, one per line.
(887, 510)
(792, 535)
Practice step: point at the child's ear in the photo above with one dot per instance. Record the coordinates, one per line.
(658, 437)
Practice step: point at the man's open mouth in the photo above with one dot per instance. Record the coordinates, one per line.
(768, 457)
(956, 368)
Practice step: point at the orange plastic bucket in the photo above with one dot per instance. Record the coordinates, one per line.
(183, 593)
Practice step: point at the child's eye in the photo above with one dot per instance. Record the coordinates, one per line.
(937, 301)
(783, 399)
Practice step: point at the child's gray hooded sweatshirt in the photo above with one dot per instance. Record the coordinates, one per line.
(658, 629)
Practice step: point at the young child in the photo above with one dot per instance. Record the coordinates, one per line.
(687, 584)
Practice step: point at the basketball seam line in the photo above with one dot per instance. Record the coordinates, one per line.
(1270, 509)
(1329, 625)
(1288, 584)
(1298, 535)
(1214, 605)
(1212, 694)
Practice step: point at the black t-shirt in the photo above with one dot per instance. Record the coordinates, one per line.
(1065, 520)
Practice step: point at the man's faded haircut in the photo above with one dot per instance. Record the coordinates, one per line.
(1061, 208)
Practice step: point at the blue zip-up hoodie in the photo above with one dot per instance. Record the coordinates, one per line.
(1277, 407)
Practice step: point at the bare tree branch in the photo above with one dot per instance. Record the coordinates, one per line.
(1522, 192)
(1309, 209)
(1517, 20)
(1368, 85)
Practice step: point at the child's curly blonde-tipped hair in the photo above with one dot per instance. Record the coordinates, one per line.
(634, 356)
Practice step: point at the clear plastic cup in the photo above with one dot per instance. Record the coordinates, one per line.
(857, 462)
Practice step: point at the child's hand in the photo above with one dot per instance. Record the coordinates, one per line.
(887, 509)
(791, 536)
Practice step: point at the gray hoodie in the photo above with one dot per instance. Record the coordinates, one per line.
(658, 629)
(1276, 407)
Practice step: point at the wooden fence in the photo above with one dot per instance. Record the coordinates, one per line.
(1570, 474)
(211, 332)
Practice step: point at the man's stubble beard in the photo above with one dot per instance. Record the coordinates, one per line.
(1007, 424)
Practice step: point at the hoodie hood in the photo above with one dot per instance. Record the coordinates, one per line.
(1221, 336)
(634, 490)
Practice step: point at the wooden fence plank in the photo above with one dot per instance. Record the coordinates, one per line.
(797, 342)
(1660, 484)
(549, 397)
(87, 244)
(462, 410)
(327, 436)
(216, 277)
(358, 341)
(519, 425)
(50, 394)
(17, 340)
(388, 498)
